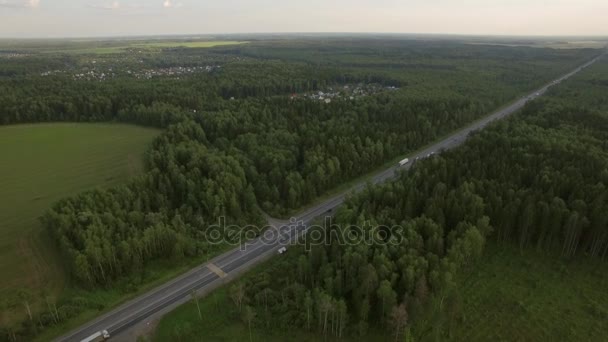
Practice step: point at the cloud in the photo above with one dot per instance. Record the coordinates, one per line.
(115, 6)
(171, 4)
(20, 3)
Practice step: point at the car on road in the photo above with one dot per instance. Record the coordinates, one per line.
(282, 250)
(97, 337)
(404, 161)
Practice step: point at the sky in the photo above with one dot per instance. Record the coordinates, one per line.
(104, 18)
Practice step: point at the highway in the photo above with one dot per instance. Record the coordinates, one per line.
(152, 305)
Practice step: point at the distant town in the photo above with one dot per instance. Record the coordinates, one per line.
(346, 92)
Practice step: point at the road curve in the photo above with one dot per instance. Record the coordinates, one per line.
(156, 302)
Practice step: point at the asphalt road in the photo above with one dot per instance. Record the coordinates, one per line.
(153, 304)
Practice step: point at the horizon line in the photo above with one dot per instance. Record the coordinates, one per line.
(319, 33)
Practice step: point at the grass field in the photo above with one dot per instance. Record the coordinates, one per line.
(41, 164)
(187, 44)
(102, 48)
(149, 45)
(533, 297)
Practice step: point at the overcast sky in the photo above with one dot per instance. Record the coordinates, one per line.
(81, 18)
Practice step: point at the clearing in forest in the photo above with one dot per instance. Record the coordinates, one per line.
(531, 296)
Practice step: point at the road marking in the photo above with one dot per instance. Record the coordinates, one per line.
(216, 270)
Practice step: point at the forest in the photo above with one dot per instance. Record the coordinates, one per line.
(535, 181)
(237, 144)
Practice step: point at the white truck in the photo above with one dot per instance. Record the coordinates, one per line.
(97, 337)
(404, 161)
(282, 250)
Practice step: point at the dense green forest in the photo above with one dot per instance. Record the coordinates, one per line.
(534, 181)
(243, 131)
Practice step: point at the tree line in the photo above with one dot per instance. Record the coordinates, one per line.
(536, 180)
(218, 157)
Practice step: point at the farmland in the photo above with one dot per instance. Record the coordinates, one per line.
(141, 45)
(41, 164)
(94, 47)
(186, 44)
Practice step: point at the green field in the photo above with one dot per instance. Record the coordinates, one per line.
(40, 164)
(103, 47)
(513, 296)
(187, 44)
(121, 47)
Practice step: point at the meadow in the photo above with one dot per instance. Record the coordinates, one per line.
(40, 164)
(531, 296)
